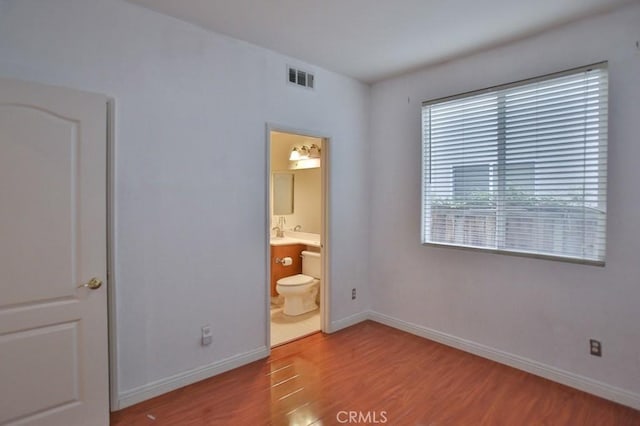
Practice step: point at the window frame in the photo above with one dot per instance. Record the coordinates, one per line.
(425, 173)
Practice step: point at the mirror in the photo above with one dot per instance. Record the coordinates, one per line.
(282, 193)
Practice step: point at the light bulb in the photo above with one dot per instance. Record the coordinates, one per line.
(295, 155)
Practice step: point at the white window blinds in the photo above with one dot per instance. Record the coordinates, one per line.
(520, 168)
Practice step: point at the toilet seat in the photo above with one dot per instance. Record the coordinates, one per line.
(295, 280)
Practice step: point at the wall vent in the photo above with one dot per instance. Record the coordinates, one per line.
(300, 78)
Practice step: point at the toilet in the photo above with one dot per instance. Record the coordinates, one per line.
(299, 291)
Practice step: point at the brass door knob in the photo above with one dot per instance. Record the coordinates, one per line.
(93, 284)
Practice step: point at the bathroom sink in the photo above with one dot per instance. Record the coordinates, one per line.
(305, 238)
(281, 241)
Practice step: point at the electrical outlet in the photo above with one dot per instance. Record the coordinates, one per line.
(353, 294)
(206, 335)
(595, 347)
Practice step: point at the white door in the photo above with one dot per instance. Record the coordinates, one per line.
(53, 331)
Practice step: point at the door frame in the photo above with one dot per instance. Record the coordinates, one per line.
(114, 400)
(325, 287)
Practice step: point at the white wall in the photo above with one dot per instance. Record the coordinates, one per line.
(191, 110)
(539, 310)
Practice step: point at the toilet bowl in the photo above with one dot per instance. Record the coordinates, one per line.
(300, 290)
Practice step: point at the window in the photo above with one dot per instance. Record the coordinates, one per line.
(520, 168)
(471, 183)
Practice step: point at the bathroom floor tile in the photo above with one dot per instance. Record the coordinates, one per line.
(285, 328)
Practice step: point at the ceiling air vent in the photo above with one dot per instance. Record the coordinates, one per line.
(300, 77)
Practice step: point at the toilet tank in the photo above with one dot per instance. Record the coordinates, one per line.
(311, 264)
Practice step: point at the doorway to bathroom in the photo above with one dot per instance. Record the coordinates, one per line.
(297, 288)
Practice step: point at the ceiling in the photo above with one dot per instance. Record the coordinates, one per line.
(372, 40)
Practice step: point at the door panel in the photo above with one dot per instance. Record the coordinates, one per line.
(53, 331)
(38, 183)
(58, 363)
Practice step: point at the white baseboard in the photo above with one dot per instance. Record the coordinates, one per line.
(348, 321)
(576, 381)
(159, 387)
(603, 390)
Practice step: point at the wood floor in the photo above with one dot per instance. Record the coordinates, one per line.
(373, 374)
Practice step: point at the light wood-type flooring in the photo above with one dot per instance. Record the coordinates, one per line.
(373, 374)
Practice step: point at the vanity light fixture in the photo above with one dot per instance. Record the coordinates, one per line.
(304, 152)
(301, 153)
(304, 157)
(314, 151)
(295, 154)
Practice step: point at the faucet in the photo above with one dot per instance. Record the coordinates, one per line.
(297, 228)
(280, 228)
(279, 232)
